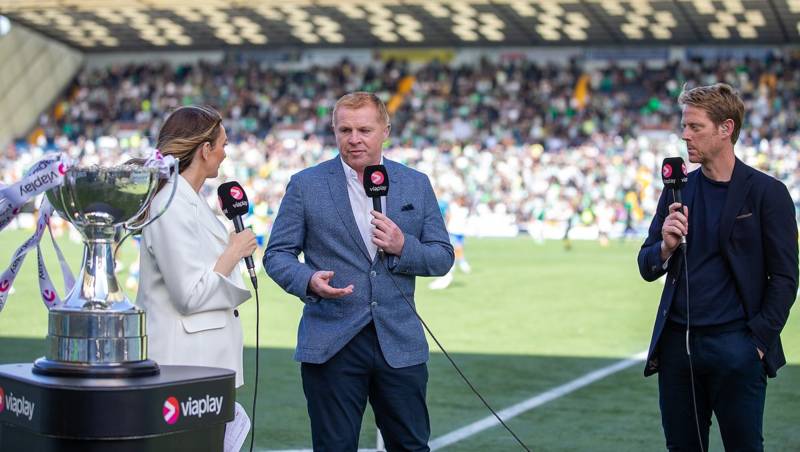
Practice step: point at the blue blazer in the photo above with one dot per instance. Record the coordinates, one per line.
(315, 218)
(758, 240)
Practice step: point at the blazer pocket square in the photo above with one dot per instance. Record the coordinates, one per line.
(407, 207)
(744, 215)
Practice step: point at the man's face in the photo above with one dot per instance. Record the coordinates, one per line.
(704, 141)
(360, 134)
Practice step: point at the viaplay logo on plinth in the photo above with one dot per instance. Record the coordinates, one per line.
(237, 193)
(171, 410)
(666, 171)
(204, 406)
(19, 405)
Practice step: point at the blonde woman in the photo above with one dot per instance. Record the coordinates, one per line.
(190, 286)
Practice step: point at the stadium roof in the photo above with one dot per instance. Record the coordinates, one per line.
(117, 25)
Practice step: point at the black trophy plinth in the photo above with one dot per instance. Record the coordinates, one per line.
(183, 408)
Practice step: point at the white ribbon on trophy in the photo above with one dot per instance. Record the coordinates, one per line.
(46, 174)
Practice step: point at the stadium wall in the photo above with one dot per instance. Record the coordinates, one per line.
(305, 58)
(104, 60)
(36, 69)
(301, 59)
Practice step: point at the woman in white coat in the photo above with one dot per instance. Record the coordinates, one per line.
(190, 285)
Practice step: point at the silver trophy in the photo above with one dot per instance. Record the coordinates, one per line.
(96, 330)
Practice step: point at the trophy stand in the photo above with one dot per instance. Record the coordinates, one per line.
(95, 390)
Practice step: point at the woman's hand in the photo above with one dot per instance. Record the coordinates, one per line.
(240, 245)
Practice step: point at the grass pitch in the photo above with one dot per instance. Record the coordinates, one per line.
(526, 319)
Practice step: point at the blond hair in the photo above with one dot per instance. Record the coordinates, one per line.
(359, 99)
(720, 101)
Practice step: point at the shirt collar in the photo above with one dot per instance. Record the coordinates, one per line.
(350, 173)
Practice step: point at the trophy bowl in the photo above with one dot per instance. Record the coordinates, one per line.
(96, 330)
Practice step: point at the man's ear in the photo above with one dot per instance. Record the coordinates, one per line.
(726, 127)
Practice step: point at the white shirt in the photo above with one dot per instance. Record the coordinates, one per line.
(361, 205)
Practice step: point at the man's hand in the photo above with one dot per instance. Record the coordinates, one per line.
(320, 285)
(387, 236)
(675, 226)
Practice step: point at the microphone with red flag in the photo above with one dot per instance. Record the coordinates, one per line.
(674, 175)
(233, 202)
(376, 184)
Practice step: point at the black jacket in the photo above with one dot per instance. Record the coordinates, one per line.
(758, 240)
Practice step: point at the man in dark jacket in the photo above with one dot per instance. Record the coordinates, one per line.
(726, 300)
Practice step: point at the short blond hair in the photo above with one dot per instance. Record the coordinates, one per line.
(359, 99)
(720, 101)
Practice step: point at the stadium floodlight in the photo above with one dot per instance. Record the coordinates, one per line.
(5, 25)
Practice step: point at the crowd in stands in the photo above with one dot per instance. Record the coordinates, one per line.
(527, 147)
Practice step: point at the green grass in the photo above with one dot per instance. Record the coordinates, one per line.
(528, 318)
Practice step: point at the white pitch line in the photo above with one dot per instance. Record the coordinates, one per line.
(521, 407)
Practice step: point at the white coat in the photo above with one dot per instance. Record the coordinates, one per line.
(190, 309)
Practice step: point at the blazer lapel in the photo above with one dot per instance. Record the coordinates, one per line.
(395, 197)
(203, 214)
(688, 193)
(337, 184)
(737, 192)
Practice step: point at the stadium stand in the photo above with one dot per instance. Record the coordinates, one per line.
(533, 138)
(519, 139)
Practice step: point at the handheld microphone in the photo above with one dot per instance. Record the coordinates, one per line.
(233, 202)
(675, 176)
(376, 184)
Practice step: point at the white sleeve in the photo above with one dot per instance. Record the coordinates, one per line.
(187, 265)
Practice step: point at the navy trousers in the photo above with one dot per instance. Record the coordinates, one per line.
(337, 392)
(730, 381)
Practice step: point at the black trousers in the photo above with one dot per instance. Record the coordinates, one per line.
(730, 381)
(337, 392)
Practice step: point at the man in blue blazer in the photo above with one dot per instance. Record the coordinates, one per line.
(715, 342)
(359, 338)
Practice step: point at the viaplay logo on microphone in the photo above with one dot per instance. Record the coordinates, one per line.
(232, 199)
(669, 173)
(376, 181)
(376, 177)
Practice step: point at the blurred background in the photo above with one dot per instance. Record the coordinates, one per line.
(542, 125)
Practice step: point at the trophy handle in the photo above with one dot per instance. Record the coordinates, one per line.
(131, 227)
